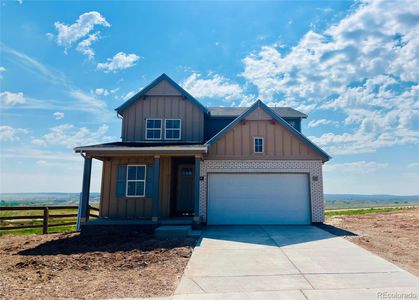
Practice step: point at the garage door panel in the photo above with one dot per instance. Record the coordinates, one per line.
(258, 199)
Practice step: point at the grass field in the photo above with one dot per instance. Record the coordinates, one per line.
(337, 212)
(363, 211)
(52, 221)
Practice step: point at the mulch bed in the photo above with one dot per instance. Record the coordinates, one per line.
(70, 265)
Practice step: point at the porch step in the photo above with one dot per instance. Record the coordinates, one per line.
(172, 231)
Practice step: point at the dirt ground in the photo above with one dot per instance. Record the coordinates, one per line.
(67, 265)
(392, 235)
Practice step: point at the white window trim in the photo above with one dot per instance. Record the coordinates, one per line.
(161, 129)
(254, 144)
(139, 180)
(180, 130)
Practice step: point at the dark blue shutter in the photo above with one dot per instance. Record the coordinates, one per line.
(149, 181)
(121, 181)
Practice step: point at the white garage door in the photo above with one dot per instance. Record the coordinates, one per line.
(258, 199)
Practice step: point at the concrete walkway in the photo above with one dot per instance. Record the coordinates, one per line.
(288, 262)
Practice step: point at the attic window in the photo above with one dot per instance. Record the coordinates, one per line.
(153, 129)
(292, 123)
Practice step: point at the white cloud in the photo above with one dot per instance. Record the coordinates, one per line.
(105, 92)
(85, 46)
(356, 167)
(8, 99)
(89, 103)
(2, 70)
(32, 65)
(69, 34)
(320, 122)
(70, 136)
(214, 86)
(129, 95)
(413, 165)
(39, 142)
(9, 133)
(58, 115)
(38, 154)
(120, 61)
(84, 102)
(364, 67)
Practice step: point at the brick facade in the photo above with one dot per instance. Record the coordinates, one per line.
(311, 167)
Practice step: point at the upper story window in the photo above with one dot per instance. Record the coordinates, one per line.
(292, 123)
(258, 145)
(153, 129)
(172, 129)
(135, 181)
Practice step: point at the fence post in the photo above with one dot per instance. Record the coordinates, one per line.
(45, 224)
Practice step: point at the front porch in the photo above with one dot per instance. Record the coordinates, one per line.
(166, 189)
(139, 222)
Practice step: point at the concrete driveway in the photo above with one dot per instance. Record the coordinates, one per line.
(288, 262)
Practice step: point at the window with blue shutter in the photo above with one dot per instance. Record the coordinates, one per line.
(136, 175)
(123, 183)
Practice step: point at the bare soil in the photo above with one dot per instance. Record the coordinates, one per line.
(392, 235)
(70, 265)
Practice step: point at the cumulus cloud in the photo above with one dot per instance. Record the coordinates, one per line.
(85, 46)
(70, 136)
(58, 115)
(356, 167)
(365, 67)
(68, 34)
(119, 61)
(80, 31)
(320, 122)
(214, 86)
(9, 133)
(9, 99)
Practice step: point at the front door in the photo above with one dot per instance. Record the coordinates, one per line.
(185, 188)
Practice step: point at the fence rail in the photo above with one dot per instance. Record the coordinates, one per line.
(45, 216)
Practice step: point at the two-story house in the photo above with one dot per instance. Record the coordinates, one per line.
(213, 165)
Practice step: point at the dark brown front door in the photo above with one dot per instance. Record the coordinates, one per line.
(185, 188)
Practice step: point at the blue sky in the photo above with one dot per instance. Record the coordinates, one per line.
(351, 66)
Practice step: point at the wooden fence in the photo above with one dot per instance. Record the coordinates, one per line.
(44, 215)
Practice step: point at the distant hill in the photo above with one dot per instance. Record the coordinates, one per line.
(355, 200)
(331, 200)
(20, 199)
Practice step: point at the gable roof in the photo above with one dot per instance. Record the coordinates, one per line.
(284, 112)
(275, 116)
(156, 81)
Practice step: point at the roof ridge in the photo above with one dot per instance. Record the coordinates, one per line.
(278, 118)
(156, 81)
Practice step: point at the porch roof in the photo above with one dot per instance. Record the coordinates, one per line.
(142, 148)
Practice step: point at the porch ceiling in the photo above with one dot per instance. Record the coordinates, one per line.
(122, 148)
